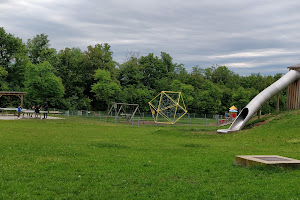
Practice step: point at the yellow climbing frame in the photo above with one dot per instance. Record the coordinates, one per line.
(168, 104)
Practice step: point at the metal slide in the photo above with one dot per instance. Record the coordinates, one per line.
(256, 103)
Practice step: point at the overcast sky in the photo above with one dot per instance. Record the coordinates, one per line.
(247, 36)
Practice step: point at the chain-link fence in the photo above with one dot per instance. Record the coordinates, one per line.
(146, 118)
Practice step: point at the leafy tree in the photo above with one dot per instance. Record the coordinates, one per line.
(181, 74)
(133, 91)
(42, 84)
(3, 74)
(157, 71)
(256, 81)
(162, 84)
(167, 62)
(221, 75)
(186, 90)
(138, 95)
(130, 73)
(277, 76)
(208, 98)
(242, 96)
(152, 69)
(226, 98)
(69, 69)
(97, 57)
(10, 46)
(39, 50)
(105, 88)
(196, 77)
(210, 90)
(12, 61)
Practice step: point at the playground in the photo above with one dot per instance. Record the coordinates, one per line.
(218, 119)
(290, 80)
(167, 154)
(85, 158)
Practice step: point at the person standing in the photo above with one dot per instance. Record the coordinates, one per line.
(19, 111)
(32, 108)
(37, 111)
(45, 109)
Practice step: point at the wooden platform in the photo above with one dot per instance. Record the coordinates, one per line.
(253, 160)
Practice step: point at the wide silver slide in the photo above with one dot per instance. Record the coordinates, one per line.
(256, 103)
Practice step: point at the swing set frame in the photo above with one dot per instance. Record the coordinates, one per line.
(121, 112)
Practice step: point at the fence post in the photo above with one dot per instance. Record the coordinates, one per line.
(138, 122)
(205, 120)
(100, 115)
(190, 122)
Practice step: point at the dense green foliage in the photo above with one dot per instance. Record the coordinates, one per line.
(91, 79)
(42, 85)
(84, 158)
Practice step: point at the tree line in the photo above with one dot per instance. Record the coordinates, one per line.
(92, 80)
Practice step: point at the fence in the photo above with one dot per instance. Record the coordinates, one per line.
(145, 118)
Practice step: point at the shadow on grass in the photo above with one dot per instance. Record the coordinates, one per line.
(269, 169)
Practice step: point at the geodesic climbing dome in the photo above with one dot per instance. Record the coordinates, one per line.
(169, 105)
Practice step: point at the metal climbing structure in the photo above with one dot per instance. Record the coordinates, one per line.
(123, 110)
(169, 105)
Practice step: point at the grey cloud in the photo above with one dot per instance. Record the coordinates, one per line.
(192, 32)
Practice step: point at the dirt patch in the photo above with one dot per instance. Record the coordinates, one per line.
(262, 123)
(142, 122)
(206, 132)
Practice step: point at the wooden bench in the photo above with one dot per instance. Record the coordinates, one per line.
(55, 112)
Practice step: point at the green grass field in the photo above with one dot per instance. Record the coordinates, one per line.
(84, 158)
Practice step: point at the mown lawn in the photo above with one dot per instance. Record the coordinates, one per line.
(79, 158)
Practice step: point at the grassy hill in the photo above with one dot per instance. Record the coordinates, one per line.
(79, 158)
